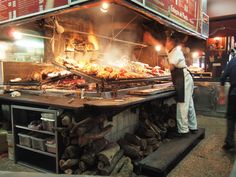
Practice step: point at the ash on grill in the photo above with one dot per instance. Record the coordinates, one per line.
(87, 151)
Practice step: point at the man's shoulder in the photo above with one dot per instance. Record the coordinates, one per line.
(232, 61)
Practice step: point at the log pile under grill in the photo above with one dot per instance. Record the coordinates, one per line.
(87, 151)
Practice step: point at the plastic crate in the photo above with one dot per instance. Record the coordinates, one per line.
(51, 148)
(48, 124)
(38, 142)
(47, 115)
(25, 139)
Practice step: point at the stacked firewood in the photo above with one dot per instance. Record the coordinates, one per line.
(88, 152)
(162, 115)
(155, 122)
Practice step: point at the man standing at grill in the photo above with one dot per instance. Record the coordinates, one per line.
(230, 71)
(183, 83)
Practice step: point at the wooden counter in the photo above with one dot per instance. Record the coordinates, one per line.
(128, 100)
(60, 102)
(76, 103)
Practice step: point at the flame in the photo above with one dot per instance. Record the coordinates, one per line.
(92, 39)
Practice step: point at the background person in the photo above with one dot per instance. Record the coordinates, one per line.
(229, 72)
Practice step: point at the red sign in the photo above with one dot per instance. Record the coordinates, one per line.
(11, 9)
(50, 4)
(159, 6)
(26, 7)
(185, 12)
(4, 10)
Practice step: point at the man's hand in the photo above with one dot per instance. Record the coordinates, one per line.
(221, 99)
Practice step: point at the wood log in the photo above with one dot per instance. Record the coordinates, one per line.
(108, 169)
(66, 120)
(143, 144)
(87, 123)
(131, 138)
(82, 166)
(119, 165)
(156, 146)
(171, 123)
(66, 141)
(63, 131)
(154, 128)
(148, 151)
(98, 145)
(134, 175)
(82, 130)
(138, 148)
(72, 152)
(132, 152)
(134, 139)
(61, 163)
(108, 153)
(89, 159)
(78, 171)
(89, 137)
(74, 141)
(100, 165)
(149, 133)
(68, 171)
(152, 141)
(126, 170)
(76, 125)
(68, 164)
(122, 142)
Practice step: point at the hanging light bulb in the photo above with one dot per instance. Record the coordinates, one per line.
(105, 6)
(16, 35)
(158, 48)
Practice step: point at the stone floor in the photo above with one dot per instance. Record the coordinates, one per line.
(207, 159)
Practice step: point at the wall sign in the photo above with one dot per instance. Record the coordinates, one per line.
(186, 13)
(15, 9)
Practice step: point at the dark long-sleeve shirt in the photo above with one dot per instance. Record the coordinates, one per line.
(230, 71)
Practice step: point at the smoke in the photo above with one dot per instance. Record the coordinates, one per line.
(114, 24)
(115, 56)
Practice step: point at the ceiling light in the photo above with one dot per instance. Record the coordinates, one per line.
(195, 54)
(179, 47)
(158, 48)
(105, 6)
(17, 35)
(217, 38)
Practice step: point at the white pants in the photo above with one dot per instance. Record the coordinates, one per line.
(186, 116)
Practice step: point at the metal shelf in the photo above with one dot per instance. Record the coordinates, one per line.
(34, 167)
(39, 131)
(29, 160)
(37, 151)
